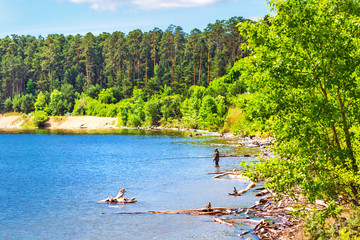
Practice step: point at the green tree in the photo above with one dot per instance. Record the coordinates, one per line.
(27, 103)
(68, 97)
(208, 112)
(50, 56)
(56, 103)
(152, 110)
(16, 103)
(40, 102)
(71, 75)
(307, 59)
(107, 96)
(30, 87)
(88, 51)
(93, 91)
(8, 104)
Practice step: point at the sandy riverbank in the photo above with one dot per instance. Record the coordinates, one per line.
(63, 122)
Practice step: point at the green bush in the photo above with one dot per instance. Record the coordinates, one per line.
(40, 117)
(8, 104)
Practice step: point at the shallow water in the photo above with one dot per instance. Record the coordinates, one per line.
(50, 185)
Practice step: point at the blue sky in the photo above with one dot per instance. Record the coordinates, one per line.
(43, 17)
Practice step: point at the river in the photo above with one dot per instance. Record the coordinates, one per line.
(51, 182)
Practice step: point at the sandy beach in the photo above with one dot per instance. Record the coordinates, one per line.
(63, 122)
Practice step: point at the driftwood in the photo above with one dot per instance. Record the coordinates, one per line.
(237, 174)
(119, 198)
(286, 226)
(206, 210)
(235, 192)
(202, 211)
(248, 221)
(222, 174)
(217, 173)
(190, 212)
(238, 193)
(262, 193)
(222, 221)
(244, 233)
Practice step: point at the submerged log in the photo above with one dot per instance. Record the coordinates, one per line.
(191, 212)
(248, 221)
(222, 221)
(119, 198)
(207, 210)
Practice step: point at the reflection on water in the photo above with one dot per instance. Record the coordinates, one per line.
(51, 184)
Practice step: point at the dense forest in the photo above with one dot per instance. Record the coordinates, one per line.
(116, 74)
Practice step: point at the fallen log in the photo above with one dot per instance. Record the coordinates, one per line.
(212, 211)
(249, 221)
(244, 233)
(259, 225)
(262, 193)
(239, 193)
(190, 212)
(222, 174)
(217, 173)
(222, 211)
(236, 174)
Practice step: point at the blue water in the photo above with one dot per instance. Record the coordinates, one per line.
(50, 185)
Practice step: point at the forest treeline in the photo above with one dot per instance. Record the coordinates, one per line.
(108, 74)
(147, 60)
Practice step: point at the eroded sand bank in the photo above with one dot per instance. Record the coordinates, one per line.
(64, 122)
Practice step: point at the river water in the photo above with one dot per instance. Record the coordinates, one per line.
(50, 185)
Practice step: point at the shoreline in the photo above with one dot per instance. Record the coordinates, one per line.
(18, 123)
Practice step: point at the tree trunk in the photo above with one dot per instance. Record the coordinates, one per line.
(200, 63)
(146, 72)
(194, 72)
(208, 73)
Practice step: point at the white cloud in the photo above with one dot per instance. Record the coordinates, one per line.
(165, 4)
(112, 5)
(102, 5)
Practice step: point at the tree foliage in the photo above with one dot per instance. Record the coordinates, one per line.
(40, 118)
(307, 60)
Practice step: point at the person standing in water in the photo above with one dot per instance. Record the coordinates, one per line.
(216, 157)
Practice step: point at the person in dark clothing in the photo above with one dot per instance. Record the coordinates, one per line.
(216, 157)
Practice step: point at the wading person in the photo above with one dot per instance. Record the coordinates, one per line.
(216, 157)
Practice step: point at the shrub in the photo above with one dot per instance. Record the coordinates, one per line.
(40, 117)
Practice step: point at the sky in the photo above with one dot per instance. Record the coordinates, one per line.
(43, 17)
